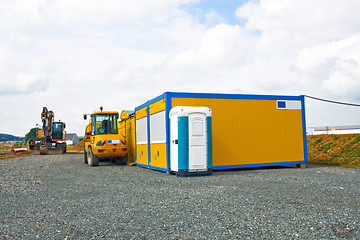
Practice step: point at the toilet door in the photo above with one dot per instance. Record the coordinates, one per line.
(197, 142)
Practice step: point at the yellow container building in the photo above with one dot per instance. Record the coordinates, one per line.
(247, 130)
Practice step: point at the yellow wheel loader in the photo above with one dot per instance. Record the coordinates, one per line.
(102, 139)
(52, 137)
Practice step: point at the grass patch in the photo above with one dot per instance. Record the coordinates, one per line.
(356, 140)
(338, 150)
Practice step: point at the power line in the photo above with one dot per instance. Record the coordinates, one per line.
(330, 101)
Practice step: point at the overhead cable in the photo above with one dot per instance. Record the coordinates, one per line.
(330, 101)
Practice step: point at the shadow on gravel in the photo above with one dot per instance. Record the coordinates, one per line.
(249, 170)
(319, 166)
(110, 164)
(252, 170)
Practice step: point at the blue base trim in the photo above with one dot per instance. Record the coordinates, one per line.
(142, 165)
(257, 165)
(151, 167)
(159, 169)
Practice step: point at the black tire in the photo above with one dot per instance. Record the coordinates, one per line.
(85, 156)
(92, 159)
(64, 147)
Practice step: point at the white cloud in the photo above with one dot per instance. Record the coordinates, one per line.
(335, 65)
(93, 12)
(17, 14)
(319, 40)
(111, 12)
(74, 56)
(216, 46)
(304, 22)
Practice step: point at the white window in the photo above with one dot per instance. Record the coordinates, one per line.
(141, 131)
(157, 128)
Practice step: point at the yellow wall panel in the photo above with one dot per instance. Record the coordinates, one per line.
(157, 106)
(158, 150)
(251, 131)
(127, 129)
(141, 113)
(142, 154)
(130, 138)
(158, 155)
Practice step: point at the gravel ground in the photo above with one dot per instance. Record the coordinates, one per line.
(59, 197)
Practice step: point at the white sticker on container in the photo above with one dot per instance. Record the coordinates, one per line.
(288, 104)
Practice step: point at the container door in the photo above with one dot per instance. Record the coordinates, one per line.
(197, 142)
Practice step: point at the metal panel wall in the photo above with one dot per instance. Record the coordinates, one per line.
(142, 154)
(251, 131)
(158, 156)
(141, 134)
(130, 134)
(127, 129)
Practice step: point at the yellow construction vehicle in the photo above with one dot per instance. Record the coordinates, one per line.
(52, 137)
(102, 139)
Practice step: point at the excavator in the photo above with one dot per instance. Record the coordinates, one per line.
(52, 137)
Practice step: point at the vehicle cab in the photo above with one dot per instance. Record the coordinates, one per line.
(58, 132)
(102, 139)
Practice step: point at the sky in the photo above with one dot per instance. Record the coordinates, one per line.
(75, 56)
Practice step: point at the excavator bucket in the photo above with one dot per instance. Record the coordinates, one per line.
(50, 151)
(44, 150)
(55, 151)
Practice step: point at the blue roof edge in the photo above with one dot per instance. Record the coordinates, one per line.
(219, 95)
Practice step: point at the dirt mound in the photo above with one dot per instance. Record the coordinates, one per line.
(7, 155)
(334, 149)
(77, 148)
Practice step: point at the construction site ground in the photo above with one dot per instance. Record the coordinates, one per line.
(60, 197)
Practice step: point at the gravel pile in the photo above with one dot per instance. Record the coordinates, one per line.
(59, 197)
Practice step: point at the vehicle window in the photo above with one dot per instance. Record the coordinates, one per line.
(104, 124)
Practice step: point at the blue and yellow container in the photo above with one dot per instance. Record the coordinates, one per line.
(247, 130)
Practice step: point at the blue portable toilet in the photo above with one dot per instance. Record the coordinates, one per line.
(191, 141)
